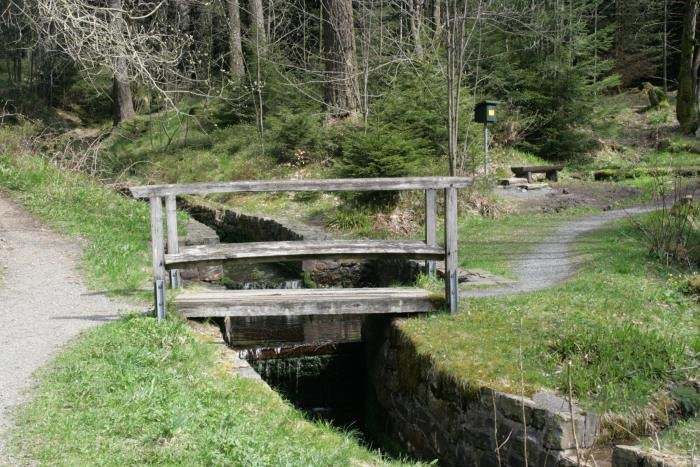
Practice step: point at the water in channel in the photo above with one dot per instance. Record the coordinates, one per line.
(318, 363)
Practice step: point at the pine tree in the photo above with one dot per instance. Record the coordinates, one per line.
(553, 78)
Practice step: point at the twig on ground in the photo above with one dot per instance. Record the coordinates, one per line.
(522, 390)
(571, 413)
(495, 429)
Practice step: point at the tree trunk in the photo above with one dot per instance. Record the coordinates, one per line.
(342, 87)
(686, 105)
(257, 23)
(121, 91)
(454, 48)
(665, 46)
(437, 17)
(234, 20)
(183, 12)
(204, 27)
(416, 7)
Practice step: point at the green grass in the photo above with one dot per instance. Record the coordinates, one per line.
(626, 329)
(680, 158)
(116, 230)
(683, 438)
(135, 392)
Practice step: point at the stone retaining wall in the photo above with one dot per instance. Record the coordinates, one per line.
(432, 415)
(197, 233)
(635, 456)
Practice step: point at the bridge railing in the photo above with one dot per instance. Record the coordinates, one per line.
(157, 194)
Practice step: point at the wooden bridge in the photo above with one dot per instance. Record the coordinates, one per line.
(276, 302)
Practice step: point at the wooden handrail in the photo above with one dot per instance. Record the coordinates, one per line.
(338, 184)
(157, 194)
(299, 250)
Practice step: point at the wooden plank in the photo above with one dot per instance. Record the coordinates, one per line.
(282, 302)
(173, 247)
(157, 248)
(451, 280)
(430, 227)
(346, 184)
(300, 250)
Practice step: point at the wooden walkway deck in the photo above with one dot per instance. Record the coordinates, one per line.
(314, 301)
(274, 302)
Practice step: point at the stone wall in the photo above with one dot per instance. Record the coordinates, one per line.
(635, 456)
(432, 415)
(197, 233)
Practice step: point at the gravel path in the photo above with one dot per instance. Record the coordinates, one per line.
(553, 261)
(43, 303)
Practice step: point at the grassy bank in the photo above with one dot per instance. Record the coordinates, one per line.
(116, 230)
(629, 332)
(134, 392)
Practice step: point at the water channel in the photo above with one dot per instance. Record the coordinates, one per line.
(317, 363)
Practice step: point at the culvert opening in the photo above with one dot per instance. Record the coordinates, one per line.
(317, 363)
(327, 382)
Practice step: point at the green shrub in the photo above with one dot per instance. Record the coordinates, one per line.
(550, 85)
(296, 137)
(416, 104)
(92, 102)
(693, 284)
(236, 106)
(349, 219)
(380, 152)
(688, 399)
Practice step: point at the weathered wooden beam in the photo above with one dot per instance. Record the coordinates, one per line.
(279, 302)
(451, 280)
(347, 184)
(430, 227)
(173, 248)
(157, 248)
(536, 168)
(262, 252)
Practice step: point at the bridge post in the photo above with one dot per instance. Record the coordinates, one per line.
(157, 249)
(451, 281)
(173, 247)
(430, 227)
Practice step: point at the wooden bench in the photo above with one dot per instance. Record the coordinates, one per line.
(313, 301)
(550, 171)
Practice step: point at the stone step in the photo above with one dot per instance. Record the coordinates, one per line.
(474, 277)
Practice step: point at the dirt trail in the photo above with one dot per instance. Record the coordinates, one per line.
(554, 260)
(43, 303)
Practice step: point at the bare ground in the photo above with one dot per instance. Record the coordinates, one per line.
(569, 194)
